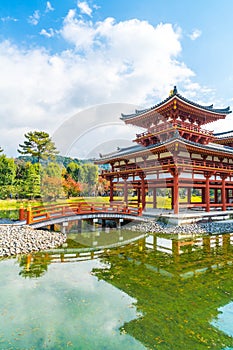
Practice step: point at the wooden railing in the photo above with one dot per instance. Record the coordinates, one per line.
(177, 124)
(44, 213)
(169, 161)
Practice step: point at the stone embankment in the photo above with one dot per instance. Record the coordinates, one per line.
(202, 228)
(16, 239)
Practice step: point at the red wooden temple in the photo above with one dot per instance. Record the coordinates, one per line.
(175, 154)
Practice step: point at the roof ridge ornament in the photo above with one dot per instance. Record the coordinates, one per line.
(174, 91)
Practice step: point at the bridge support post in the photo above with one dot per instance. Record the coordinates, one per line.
(63, 227)
(21, 213)
(29, 215)
(103, 223)
(93, 224)
(79, 226)
(119, 221)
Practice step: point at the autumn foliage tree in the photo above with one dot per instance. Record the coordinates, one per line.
(51, 181)
(71, 187)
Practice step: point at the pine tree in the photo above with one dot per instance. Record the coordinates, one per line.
(39, 145)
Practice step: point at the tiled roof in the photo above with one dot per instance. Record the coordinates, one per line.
(120, 153)
(209, 108)
(224, 135)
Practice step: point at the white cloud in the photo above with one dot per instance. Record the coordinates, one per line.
(8, 19)
(131, 56)
(195, 34)
(49, 7)
(34, 19)
(96, 7)
(127, 62)
(48, 33)
(84, 8)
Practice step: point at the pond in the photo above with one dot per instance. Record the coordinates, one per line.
(117, 289)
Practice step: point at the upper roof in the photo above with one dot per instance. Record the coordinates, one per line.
(209, 111)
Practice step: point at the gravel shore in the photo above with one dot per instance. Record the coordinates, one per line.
(15, 239)
(202, 228)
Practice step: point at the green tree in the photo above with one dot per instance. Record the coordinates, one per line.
(39, 145)
(31, 183)
(91, 174)
(86, 174)
(51, 181)
(7, 176)
(75, 171)
(7, 170)
(52, 169)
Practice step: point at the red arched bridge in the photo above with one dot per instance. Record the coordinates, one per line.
(58, 213)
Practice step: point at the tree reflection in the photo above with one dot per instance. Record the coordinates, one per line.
(34, 265)
(178, 293)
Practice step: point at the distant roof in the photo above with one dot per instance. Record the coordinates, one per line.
(224, 134)
(174, 93)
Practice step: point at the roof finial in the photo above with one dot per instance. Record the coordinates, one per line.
(174, 91)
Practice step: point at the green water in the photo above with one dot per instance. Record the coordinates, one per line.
(152, 292)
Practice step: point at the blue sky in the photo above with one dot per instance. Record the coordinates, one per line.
(60, 57)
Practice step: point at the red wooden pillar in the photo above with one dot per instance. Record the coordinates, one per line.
(223, 192)
(111, 191)
(207, 191)
(215, 195)
(154, 197)
(227, 195)
(139, 195)
(143, 190)
(176, 192)
(189, 195)
(125, 189)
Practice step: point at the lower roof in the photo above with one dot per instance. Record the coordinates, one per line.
(137, 150)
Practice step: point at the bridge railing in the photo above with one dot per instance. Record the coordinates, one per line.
(43, 213)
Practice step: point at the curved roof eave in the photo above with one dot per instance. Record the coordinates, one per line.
(210, 109)
(137, 150)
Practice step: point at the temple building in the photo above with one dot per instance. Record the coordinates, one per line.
(177, 155)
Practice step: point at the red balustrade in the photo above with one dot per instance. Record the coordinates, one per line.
(44, 213)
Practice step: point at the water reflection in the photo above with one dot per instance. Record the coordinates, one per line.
(179, 284)
(65, 308)
(224, 319)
